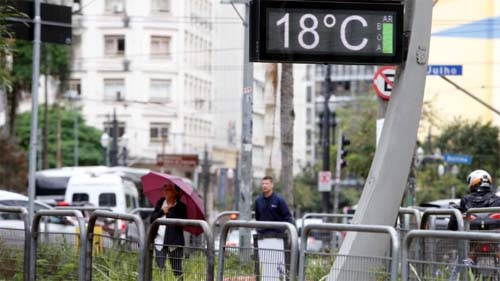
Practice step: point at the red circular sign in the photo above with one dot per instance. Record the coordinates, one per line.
(383, 81)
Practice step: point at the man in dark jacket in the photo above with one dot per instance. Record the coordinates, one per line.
(170, 239)
(269, 206)
(480, 195)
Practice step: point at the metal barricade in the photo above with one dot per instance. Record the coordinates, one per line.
(438, 249)
(408, 219)
(318, 266)
(324, 240)
(344, 217)
(199, 265)
(453, 268)
(144, 214)
(407, 222)
(270, 258)
(443, 212)
(111, 257)
(14, 244)
(57, 255)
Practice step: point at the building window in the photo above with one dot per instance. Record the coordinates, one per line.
(114, 45)
(308, 137)
(159, 90)
(159, 132)
(115, 6)
(75, 86)
(160, 6)
(108, 128)
(114, 89)
(308, 94)
(160, 46)
(308, 116)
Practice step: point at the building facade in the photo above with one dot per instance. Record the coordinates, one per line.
(149, 63)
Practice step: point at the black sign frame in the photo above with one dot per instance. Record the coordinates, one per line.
(258, 29)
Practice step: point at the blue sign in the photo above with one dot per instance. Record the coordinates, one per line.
(444, 70)
(458, 159)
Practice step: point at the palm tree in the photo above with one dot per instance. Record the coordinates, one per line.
(287, 118)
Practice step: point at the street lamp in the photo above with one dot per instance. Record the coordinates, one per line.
(105, 144)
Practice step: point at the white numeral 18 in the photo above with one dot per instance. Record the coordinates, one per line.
(285, 20)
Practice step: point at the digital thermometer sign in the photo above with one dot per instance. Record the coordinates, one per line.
(327, 32)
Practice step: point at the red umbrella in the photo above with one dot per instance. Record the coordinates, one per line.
(152, 185)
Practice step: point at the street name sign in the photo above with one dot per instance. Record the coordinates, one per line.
(326, 32)
(325, 181)
(383, 81)
(444, 70)
(458, 159)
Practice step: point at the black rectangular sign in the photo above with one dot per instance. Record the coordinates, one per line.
(56, 22)
(326, 32)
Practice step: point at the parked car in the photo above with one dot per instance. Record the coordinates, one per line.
(14, 221)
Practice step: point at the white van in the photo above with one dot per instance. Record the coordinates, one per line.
(107, 190)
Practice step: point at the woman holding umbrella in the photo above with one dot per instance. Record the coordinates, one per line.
(170, 239)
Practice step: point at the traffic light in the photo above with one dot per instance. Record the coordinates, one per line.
(343, 150)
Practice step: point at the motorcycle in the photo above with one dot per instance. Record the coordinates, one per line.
(484, 256)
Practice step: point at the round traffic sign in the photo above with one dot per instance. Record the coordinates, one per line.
(383, 81)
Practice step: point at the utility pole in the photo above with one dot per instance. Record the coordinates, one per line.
(245, 199)
(338, 168)
(326, 134)
(206, 179)
(34, 109)
(114, 147)
(75, 131)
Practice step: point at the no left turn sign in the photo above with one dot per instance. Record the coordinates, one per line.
(383, 81)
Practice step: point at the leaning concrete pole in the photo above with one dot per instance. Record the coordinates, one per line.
(386, 182)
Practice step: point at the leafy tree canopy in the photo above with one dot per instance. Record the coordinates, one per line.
(90, 150)
(460, 137)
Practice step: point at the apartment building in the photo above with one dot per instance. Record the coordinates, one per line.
(150, 63)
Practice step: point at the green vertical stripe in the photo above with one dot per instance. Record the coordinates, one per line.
(387, 38)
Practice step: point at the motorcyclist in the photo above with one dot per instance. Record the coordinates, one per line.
(480, 195)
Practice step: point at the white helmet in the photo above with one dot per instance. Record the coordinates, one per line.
(479, 179)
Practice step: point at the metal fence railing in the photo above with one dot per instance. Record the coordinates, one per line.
(111, 257)
(170, 262)
(449, 265)
(14, 243)
(443, 214)
(57, 251)
(440, 249)
(144, 214)
(324, 265)
(268, 257)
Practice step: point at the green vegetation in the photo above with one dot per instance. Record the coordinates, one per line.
(11, 262)
(90, 150)
(480, 140)
(460, 137)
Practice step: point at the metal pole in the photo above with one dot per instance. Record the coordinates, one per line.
(114, 147)
(245, 199)
(34, 109)
(34, 122)
(338, 168)
(206, 178)
(75, 114)
(326, 134)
